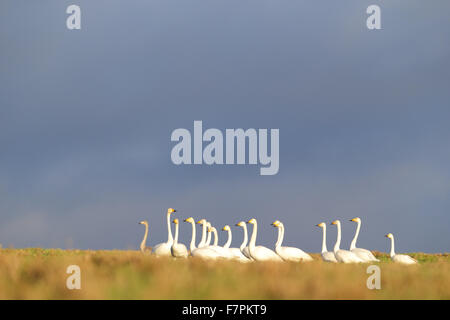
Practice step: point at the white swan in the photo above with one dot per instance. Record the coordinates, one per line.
(228, 230)
(223, 252)
(235, 252)
(178, 249)
(208, 238)
(343, 256)
(202, 242)
(216, 236)
(327, 256)
(244, 247)
(164, 249)
(143, 246)
(399, 258)
(288, 253)
(260, 253)
(364, 254)
(192, 245)
(205, 252)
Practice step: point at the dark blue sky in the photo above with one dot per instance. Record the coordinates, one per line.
(86, 118)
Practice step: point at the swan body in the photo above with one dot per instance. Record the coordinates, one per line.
(200, 252)
(165, 248)
(206, 251)
(260, 253)
(327, 256)
(234, 252)
(178, 250)
(162, 249)
(244, 247)
(363, 254)
(399, 258)
(223, 252)
(143, 247)
(288, 253)
(343, 256)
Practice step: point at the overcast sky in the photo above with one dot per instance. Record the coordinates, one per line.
(86, 118)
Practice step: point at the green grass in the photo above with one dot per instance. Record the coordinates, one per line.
(41, 274)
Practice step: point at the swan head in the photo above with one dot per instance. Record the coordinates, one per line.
(144, 222)
(389, 235)
(240, 224)
(202, 221)
(276, 223)
(213, 229)
(190, 220)
(252, 221)
(321, 225)
(226, 228)
(175, 221)
(356, 219)
(336, 222)
(171, 210)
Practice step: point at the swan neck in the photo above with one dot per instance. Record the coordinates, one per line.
(338, 240)
(353, 244)
(144, 241)
(208, 240)
(169, 230)
(203, 238)
(280, 236)
(245, 241)
(252, 243)
(175, 240)
(216, 238)
(324, 240)
(228, 243)
(392, 247)
(192, 245)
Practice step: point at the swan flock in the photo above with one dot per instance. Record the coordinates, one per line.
(249, 251)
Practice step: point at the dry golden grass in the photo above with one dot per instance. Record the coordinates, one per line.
(41, 274)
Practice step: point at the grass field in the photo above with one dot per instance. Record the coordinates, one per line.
(41, 274)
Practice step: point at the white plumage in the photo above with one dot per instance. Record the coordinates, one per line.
(399, 258)
(327, 256)
(343, 256)
(164, 249)
(260, 253)
(178, 250)
(288, 253)
(363, 254)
